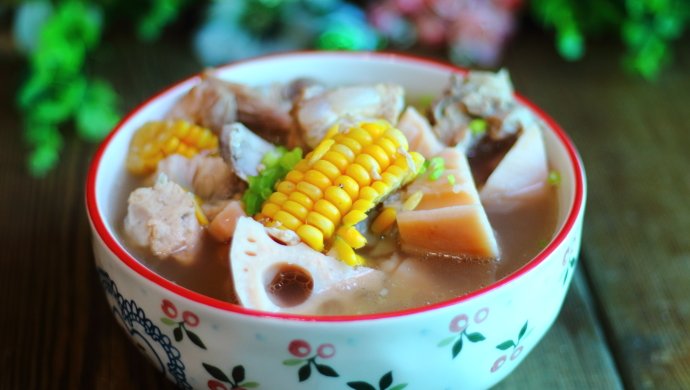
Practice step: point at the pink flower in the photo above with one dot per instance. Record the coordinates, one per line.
(458, 324)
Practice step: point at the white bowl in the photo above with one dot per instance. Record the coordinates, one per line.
(472, 341)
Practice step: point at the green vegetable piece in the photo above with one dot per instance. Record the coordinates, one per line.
(277, 164)
(478, 126)
(451, 179)
(436, 168)
(554, 178)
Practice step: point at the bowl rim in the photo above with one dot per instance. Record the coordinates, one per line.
(130, 262)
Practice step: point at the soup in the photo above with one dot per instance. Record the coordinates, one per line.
(260, 195)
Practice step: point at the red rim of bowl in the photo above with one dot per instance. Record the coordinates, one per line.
(119, 251)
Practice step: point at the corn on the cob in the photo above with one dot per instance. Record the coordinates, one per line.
(335, 185)
(155, 140)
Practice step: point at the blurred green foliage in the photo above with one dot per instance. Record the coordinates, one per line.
(58, 89)
(646, 27)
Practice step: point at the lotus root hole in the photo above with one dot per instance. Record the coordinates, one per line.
(289, 285)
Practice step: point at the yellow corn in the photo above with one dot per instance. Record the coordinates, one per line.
(156, 140)
(334, 187)
(198, 212)
(413, 201)
(384, 220)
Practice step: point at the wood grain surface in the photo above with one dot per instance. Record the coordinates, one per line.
(624, 322)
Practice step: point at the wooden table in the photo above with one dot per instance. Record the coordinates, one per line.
(625, 322)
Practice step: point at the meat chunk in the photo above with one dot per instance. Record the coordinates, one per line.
(210, 104)
(478, 95)
(163, 218)
(222, 227)
(208, 176)
(243, 150)
(318, 110)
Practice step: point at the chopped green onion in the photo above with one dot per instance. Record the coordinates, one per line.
(436, 168)
(277, 164)
(554, 178)
(478, 126)
(451, 179)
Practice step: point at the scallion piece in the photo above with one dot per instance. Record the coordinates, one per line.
(478, 126)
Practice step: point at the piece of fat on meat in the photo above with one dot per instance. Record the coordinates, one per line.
(255, 260)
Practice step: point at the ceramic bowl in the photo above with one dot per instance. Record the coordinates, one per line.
(473, 341)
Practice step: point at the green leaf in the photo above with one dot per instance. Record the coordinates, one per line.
(178, 334)
(168, 321)
(194, 338)
(326, 370)
(522, 331)
(292, 362)
(361, 385)
(97, 114)
(446, 341)
(399, 387)
(42, 159)
(249, 385)
(304, 372)
(505, 345)
(238, 374)
(457, 347)
(216, 372)
(386, 380)
(475, 337)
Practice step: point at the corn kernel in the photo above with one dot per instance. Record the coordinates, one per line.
(320, 150)
(379, 154)
(344, 252)
(363, 205)
(278, 198)
(171, 145)
(348, 153)
(199, 213)
(296, 209)
(369, 163)
(317, 178)
(397, 137)
(374, 128)
(325, 225)
(309, 190)
(384, 221)
(294, 176)
(327, 168)
(348, 184)
(270, 209)
(332, 132)
(368, 193)
(354, 217)
(391, 179)
(360, 135)
(352, 237)
(413, 201)
(327, 209)
(358, 173)
(339, 198)
(311, 236)
(388, 146)
(287, 220)
(351, 143)
(337, 159)
(381, 187)
(286, 187)
(302, 199)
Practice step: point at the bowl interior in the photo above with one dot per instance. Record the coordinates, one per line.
(109, 183)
